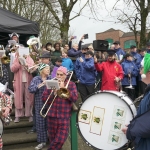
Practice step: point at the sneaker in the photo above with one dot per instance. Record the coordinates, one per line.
(40, 146)
(30, 119)
(17, 119)
(30, 131)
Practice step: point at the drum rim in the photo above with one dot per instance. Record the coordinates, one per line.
(2, 127)
(98, 92)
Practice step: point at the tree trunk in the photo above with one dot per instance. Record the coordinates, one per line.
(64, 29)
(136, 41)
(144, 15)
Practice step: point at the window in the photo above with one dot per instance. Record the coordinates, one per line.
(110, 41)
(128, 43)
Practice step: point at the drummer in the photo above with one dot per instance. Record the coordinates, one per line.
(139, 128)
(112, 72)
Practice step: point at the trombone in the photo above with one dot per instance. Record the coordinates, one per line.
(62, 93)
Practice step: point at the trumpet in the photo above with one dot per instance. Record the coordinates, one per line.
(32, 69)
(62, 93)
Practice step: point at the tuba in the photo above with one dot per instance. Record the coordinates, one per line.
(33, 48)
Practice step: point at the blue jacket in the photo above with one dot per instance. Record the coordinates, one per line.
(67, 62)
(85, 71)
(119, 52)
(74, 53)
(136, 58)
(148, 51)
(139, 128)
(129, 66)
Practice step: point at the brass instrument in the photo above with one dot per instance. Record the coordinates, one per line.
(33, 47)
(62, 93)
(4, 60)
(32, 69)
(13, 49)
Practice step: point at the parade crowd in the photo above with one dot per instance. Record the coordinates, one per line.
(116, 70)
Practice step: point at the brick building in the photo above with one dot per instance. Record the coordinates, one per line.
(112, 35)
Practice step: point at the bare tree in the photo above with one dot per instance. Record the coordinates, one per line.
(32, 10)
(132, 20)
(142, 8)
(61, 10)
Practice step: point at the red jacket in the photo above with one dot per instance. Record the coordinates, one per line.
(110, 71)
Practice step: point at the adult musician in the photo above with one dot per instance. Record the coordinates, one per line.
(22, 79)
(85, 67)
(5, 111)
(37, 87)
(13, 36)
(60, 112)
(130, 70)
(112, 72)
(139, 128)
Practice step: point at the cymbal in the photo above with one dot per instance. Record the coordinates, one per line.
(32, 41)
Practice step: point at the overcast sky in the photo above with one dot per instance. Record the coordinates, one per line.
(83, 25)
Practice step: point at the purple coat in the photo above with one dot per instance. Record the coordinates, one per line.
(53, 74)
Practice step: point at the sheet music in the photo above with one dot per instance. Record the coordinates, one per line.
(23, 51)
(52, 84)
(2, 52)
(12, 42)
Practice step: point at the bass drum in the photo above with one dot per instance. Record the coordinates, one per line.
(101, 118)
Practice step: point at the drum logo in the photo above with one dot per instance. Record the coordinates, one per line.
(117, 125)
(84, 116)
(115, 138)
(119, 113)
(97, 120)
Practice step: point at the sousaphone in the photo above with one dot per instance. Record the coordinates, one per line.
(33, 46)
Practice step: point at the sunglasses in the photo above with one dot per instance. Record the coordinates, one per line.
(59, 74)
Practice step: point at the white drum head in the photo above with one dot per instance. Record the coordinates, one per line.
(101, 118)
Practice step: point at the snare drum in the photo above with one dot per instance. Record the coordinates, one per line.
(101, 118)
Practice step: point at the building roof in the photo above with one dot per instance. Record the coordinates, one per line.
(110, 30)
(127, 34)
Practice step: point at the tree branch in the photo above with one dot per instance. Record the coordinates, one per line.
(49, 6)
(78, 14)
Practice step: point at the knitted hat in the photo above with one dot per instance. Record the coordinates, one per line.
(146, 64)
(62, 69)
(42, 66)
